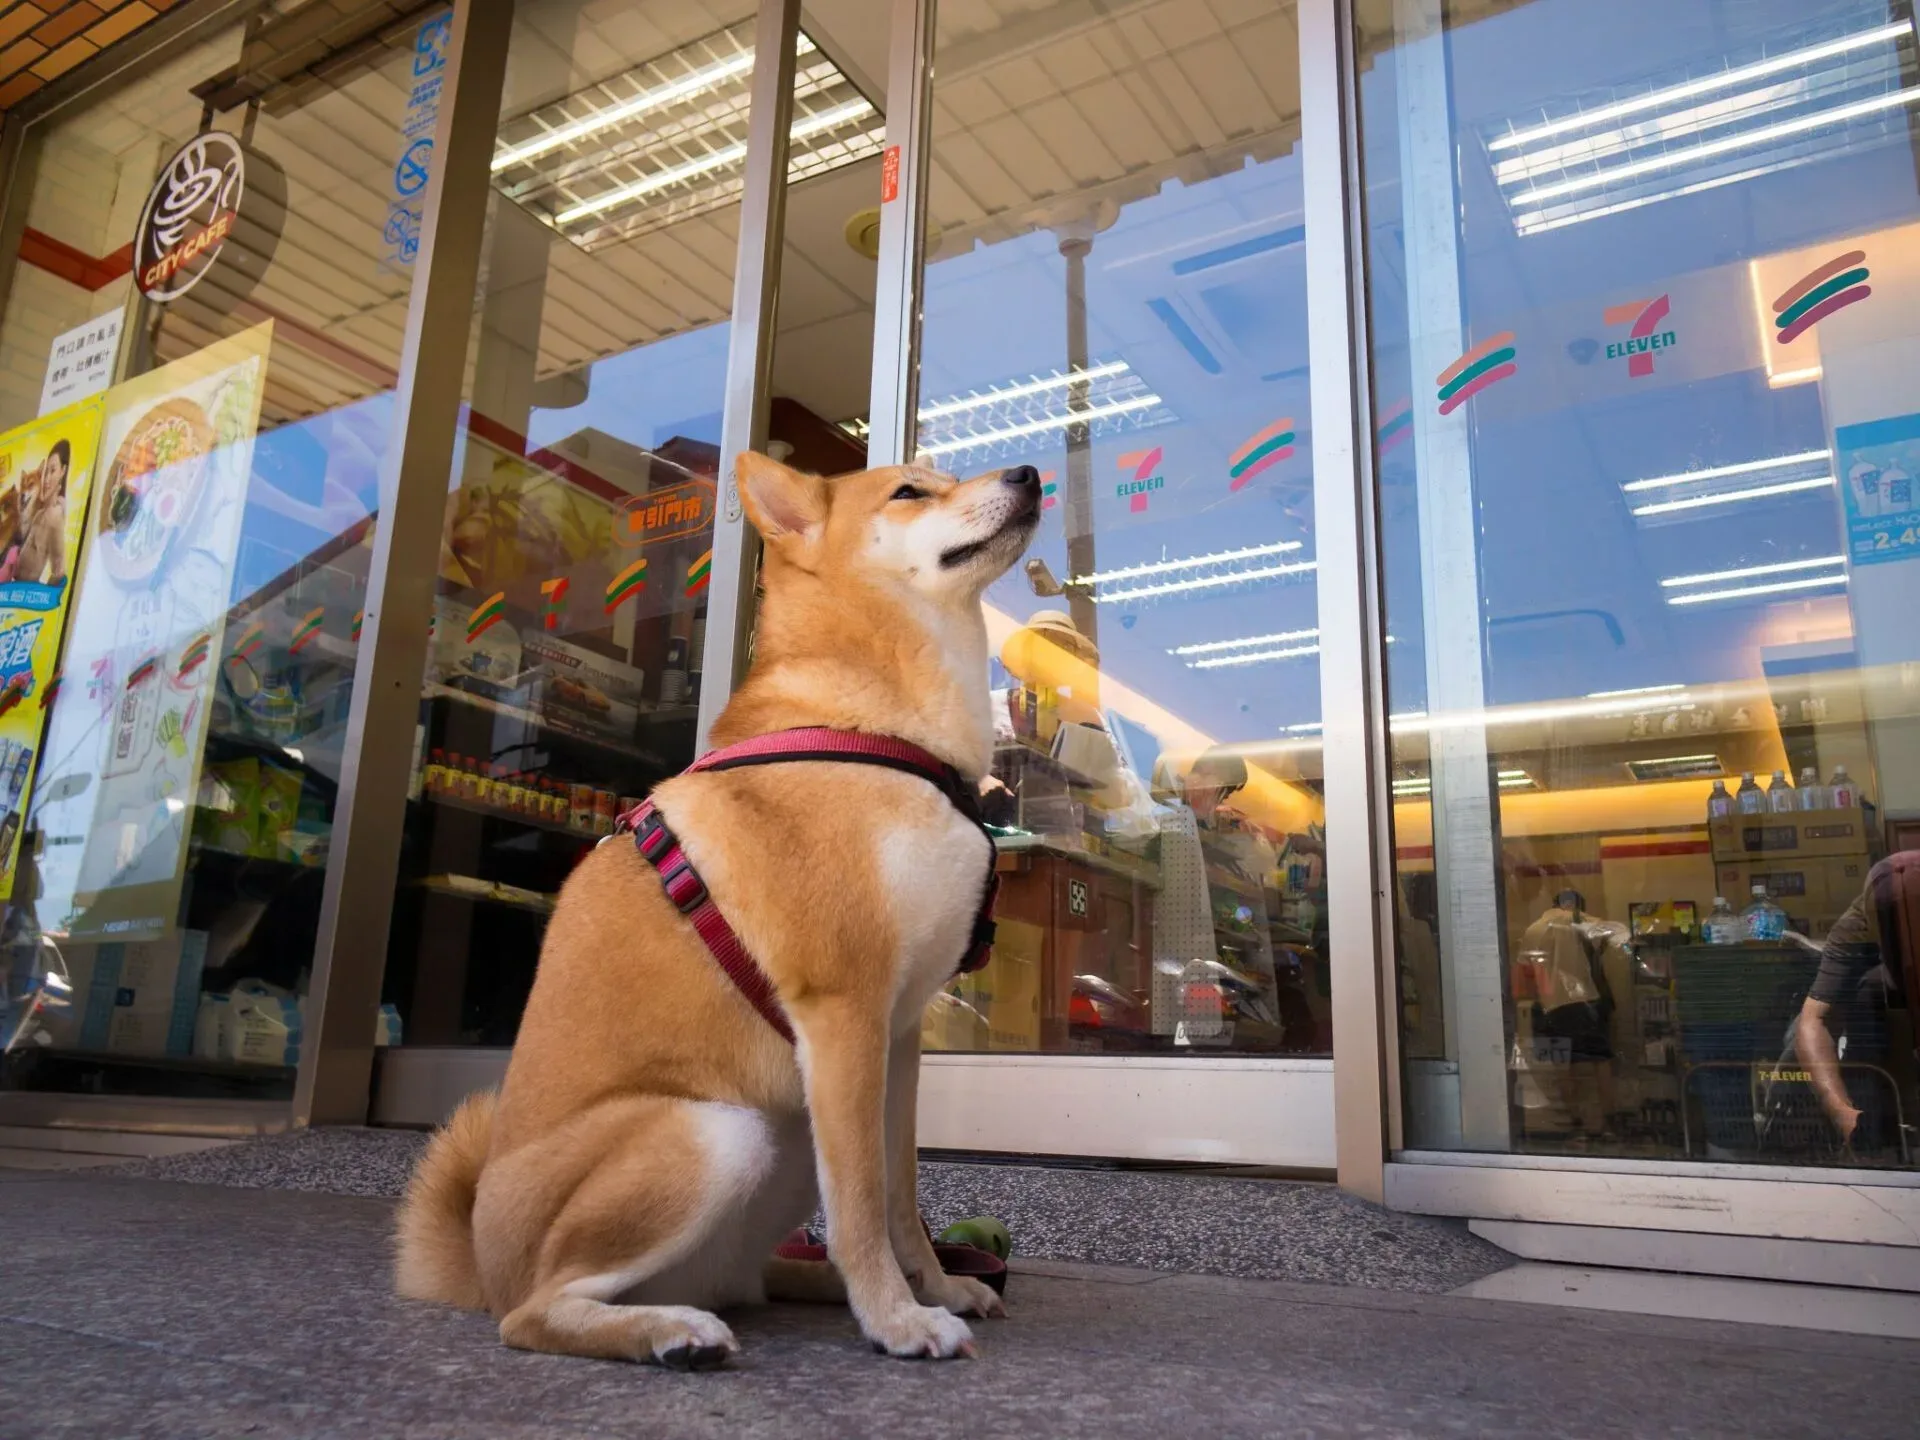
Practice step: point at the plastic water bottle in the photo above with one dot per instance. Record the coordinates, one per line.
(1752, 800)
(1763, 920)
(1719, 803)
(1812, 794)
(1780, 795)
(1722, 926)
(1842, 793)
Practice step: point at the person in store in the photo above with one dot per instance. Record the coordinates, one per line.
(1869, 958)
(1238, 866)
(1569, 953)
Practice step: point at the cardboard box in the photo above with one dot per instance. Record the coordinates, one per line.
(1814, 892)
(573, 686)
(136, 998)
(1798, 834)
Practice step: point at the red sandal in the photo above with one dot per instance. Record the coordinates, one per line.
(967, 1260)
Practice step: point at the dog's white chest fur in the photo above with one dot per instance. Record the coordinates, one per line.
(932, 872)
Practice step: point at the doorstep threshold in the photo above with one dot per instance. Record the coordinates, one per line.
(1785, 1304)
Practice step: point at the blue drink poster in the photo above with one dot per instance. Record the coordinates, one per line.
(1878, 467)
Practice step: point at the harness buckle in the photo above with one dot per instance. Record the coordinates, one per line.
(653, 839)
(684, 886)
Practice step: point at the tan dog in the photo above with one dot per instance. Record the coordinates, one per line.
(656, 1137)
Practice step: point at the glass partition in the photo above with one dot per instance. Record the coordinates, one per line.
(196, 360)
(1115, 293)
(1645, 297)
(569, 631)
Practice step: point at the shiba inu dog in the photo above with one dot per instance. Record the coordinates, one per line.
(656, 1136)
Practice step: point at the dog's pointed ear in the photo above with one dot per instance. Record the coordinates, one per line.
(780, 502)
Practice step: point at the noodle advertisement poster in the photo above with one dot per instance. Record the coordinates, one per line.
(46, 475)
(124, 745)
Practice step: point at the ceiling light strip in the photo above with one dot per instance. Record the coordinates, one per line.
(1191, 562)
(1701, 597)
(1207, 582)
(1727, 145)
(982, 399)
(1042, 425)
(1720, 472)
(1706, 85)
(1258, 657)
(1758, 492)
(1207, 647)
(719, 160)
(1748, 572)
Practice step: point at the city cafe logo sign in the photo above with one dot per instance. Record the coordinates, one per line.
(215, 196)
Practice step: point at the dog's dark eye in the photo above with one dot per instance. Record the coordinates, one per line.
(908, 492)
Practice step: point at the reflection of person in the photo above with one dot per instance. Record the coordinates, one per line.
(1866, 951)
(1568, 950)
(43, 520)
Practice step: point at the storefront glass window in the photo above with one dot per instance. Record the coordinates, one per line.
(200, 337)
(1116, 294)
(1645, 281)
(569, 632)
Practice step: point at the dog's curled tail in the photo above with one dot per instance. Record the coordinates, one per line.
(435, 1228)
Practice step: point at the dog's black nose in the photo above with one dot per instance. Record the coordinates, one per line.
(1025, 476)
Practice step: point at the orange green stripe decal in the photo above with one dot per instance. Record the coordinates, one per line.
(487, 614)
(248, 645)
(1841, 282)
(630, 581)
(195, 654)
(143, 671)
(1487, 363)
(308, 627)
(699, 573)
(51, 689)
(1260, 450)
(359, 623)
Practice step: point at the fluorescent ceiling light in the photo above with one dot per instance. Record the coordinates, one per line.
(1207, 647)
(1636, 690)
(1747, 572)
(1255, 657)
(1042, 425)
(1207, 582)
(1162, 567)
(980, 400)
(719, 160)
(1518, 781)
(1311, 727)
(667, 140)
(1677, 767)
(1727, 145)
(708, 78)
(1706, 85)
(1728, 497)
(1720, 472)
(1701, 597)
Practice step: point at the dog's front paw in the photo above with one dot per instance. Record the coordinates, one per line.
(960, 1294)
(920, 1332)
(683, 1338)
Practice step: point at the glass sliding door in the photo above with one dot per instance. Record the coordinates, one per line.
(1645, 306)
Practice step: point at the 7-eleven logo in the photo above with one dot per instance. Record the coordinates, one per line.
(1644, 338)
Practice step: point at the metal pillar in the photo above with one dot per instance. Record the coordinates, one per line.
(350, 952)
(892, 429)
(1077, 508)
(756, 290)
(1466, 857)
(1352, 673)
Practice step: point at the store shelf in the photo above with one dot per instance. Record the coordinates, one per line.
(495, 812)
(176, 1064)
(1029, 758)
(538, 721)
(488, 892)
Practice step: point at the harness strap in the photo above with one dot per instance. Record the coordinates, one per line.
(660, 848)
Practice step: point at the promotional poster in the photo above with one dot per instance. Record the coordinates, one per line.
(124, 746)
(46, 477)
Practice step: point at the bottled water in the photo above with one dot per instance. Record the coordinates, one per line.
(1751, 800)
(1780, 797)
(1722, 926)
(1719, 803)
(1813, 795)
(1763, 920)
(1842, 793)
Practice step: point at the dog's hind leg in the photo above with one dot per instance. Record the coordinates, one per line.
(650, 1241)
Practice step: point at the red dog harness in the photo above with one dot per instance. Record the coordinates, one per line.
(660, 848)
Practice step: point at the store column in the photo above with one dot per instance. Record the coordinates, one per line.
(1465, 854)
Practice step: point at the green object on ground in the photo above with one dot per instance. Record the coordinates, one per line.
(983, 1232)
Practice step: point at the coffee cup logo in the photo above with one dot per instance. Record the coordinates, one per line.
(213, 195)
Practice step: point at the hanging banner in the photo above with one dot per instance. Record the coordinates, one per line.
(124, 746)
(46, 477)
